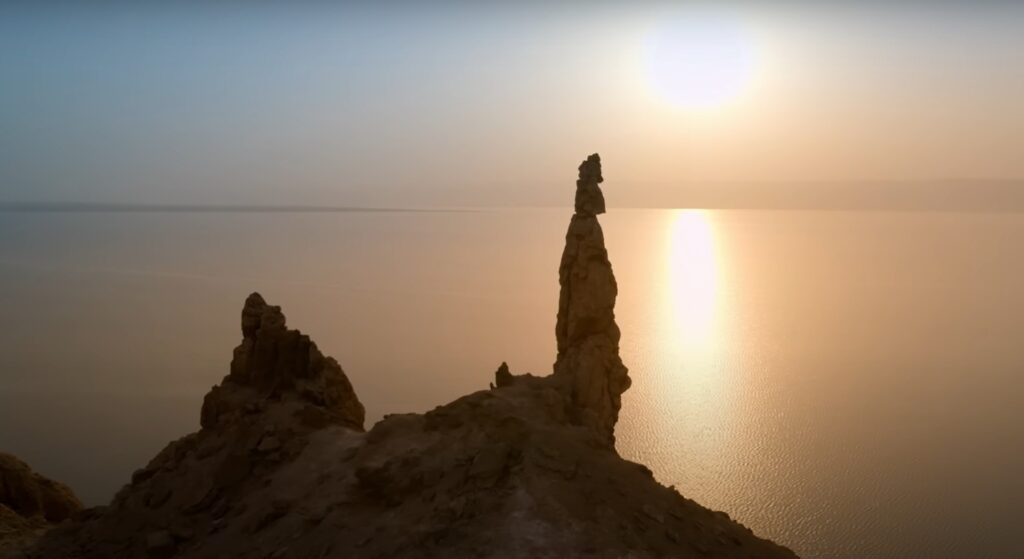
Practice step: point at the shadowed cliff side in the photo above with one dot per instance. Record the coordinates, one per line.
(281, 467)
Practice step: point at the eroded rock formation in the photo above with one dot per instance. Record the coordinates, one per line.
(30, 494)
(280, 392)
(588, 338)
(281, 467)
(30, 503)
(273, 362)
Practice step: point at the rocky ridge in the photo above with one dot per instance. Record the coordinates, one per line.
(282, 467)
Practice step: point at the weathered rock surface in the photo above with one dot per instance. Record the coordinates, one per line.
(18, 532)
(589, 198)
(31, 495)
(281, 467)
(273, 362)
(588, 338)
(30, 503)
(279, 393)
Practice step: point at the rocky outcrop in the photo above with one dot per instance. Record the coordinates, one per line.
(281, 391)
(18, 532)
(588, 338)
(29, 494)
(30, 503)
(273, 362)
(282, 468)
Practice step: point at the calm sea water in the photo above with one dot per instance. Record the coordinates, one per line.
(849, 384)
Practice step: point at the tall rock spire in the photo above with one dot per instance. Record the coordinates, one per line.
(588, 361)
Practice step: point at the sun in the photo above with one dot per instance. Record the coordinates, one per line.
(701, 61)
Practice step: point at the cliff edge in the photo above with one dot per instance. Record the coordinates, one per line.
(282, 467)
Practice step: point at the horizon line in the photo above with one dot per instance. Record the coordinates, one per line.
(114, 207)
(104, 207)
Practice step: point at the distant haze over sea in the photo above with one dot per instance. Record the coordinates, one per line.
(939, 195)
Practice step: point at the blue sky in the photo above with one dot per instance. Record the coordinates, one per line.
(450, 104)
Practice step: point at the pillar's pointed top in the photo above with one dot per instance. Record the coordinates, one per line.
(589, 199)
(590, 170)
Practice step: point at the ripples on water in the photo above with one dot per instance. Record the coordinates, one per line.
(846, 383)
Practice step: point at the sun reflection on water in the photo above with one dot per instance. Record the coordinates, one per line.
(692, 285)
(695, 384)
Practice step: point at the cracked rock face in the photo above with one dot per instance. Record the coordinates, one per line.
(588, 338)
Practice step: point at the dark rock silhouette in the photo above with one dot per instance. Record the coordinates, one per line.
(30, 503)
(503, 376)
(589, 198)
(282, 468)
(280, 392)
(30, 494)
(275, 362)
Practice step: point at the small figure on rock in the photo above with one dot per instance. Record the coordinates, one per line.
(503, 377)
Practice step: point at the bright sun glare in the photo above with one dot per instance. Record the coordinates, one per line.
(700, 61)
(692, 282)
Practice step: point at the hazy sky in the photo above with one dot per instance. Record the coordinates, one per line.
(408, 104)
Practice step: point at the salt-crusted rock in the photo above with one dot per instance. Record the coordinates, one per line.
(588, 338)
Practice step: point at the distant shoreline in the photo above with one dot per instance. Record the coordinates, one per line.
(37, 207)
